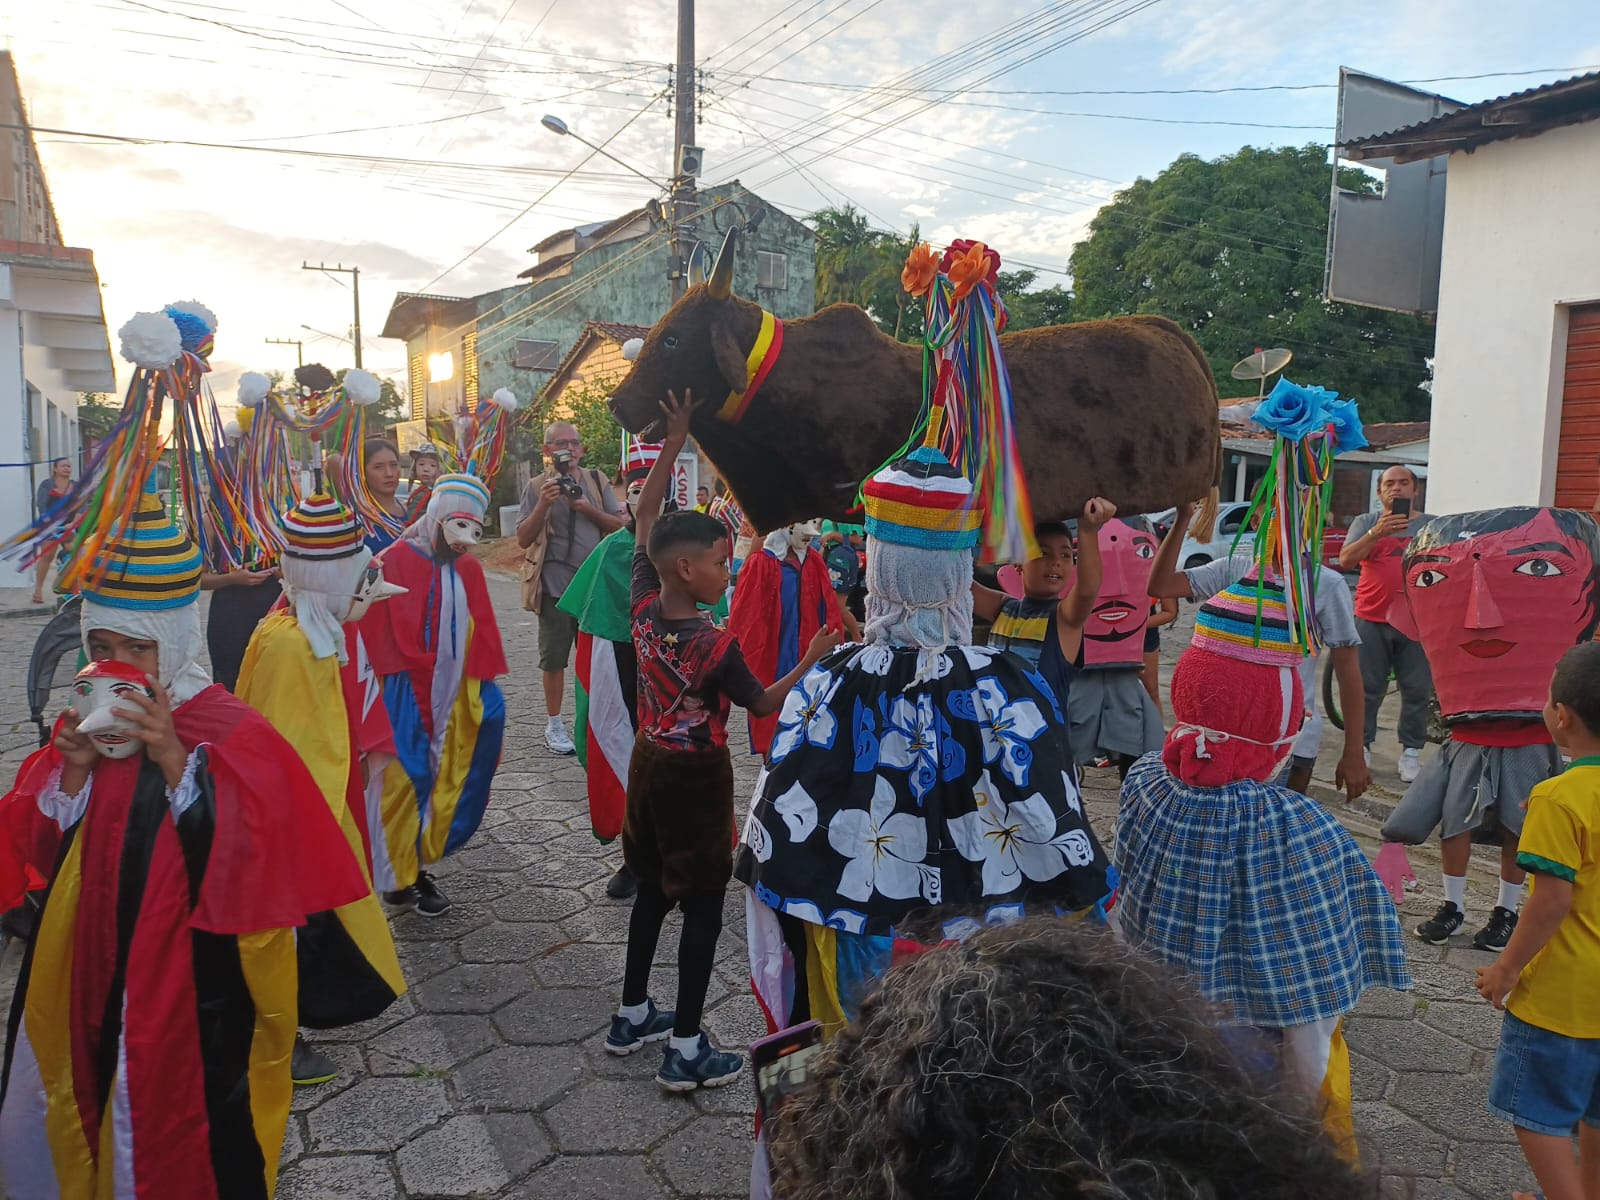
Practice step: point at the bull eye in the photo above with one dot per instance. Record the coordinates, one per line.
(670, 341)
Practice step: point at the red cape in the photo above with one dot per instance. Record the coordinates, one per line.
(757, 610)
(393, 630)
(277, 854)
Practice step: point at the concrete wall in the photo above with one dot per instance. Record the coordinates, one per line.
(1521, 241)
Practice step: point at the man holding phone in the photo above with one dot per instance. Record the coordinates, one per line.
(1376, 543)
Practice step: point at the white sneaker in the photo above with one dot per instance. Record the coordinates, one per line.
(1410, 764)
(557, 737)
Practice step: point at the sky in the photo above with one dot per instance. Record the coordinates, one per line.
(403, 137)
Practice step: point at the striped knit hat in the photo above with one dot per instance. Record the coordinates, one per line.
(638, 458)
(320, 528)
(154, 565)
(459, 494)
(1248, 620)
(922, 501)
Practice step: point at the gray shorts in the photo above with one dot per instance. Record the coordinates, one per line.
(1465, 788)
(557, 632)
(1110, 711)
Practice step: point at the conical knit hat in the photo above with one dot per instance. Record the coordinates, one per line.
(922, 501)
(154, 565)
(459, 494)
(320, 528)
(1248, 620)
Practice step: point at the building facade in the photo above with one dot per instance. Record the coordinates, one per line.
(460, 349)
(53, 341)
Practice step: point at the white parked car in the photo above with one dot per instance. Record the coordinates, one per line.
(1230, 520)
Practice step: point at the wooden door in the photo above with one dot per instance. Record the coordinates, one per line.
(1578, 452)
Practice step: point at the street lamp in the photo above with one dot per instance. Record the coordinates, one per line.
(559, 127)
(324, 333)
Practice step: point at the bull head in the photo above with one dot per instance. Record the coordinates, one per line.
(698, 346)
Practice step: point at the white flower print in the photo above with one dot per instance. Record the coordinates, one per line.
(910, 742)
(885, 849)
(757, 838)
(875, 659)
(1007, 727)
(1015, 841)
(977, 656)
(799, 812)
(806, 716)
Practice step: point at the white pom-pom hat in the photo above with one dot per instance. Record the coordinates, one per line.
(363, 387)
(233, 431)
(195, 309)
(253, 389)
(506, 399)
(151, 340)
(631, 348)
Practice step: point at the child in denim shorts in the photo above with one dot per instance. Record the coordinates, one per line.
(1547, 1071)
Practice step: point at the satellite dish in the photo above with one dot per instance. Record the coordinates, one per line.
(1262, 364)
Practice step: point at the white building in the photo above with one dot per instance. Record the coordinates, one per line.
(1516, 388)
(53, 343)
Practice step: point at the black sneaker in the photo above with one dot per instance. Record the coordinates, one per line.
(1494, 936)
(626, 1037)
(1436, 930)
(431, 902)
(308, 1067)
(623, 884)
(401, 901)
(709, 1068)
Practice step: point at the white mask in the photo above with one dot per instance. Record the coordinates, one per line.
(372, 588)
(95, 692)
(461, 532)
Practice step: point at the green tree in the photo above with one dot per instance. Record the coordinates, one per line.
(859, 265)
(585, 405)
(1233, 249)
(1031, 309)
(391, 408)
(96, 415)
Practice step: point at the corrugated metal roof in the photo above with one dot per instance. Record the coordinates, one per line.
(1562, 102)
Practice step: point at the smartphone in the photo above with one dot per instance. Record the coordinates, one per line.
(781, 1062)
(1402, 507)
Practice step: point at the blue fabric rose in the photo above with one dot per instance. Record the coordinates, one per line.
(1293, 412)
(1345, 417)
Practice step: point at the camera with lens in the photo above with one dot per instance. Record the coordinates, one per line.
(562, 461)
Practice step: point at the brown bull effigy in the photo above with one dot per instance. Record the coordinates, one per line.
(794, 414)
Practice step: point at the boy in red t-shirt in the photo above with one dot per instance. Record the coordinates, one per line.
(677, 830)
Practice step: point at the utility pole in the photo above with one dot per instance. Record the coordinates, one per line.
(299, 348)
(355, 291)
(683, 198)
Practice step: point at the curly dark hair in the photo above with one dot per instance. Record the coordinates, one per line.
(1039, 1060)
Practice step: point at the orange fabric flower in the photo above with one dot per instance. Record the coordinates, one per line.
(970, 267)
(922, 264)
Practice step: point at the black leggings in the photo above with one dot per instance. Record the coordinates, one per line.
(697, 951)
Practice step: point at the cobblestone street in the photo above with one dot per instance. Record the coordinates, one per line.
(489, 1080)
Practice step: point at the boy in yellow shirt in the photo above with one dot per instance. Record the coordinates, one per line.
(1547, 1071)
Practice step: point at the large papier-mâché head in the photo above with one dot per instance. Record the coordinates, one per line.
(1113, 636)
(1497, 597)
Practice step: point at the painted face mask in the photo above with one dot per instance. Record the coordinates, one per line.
(1496, 598)
(1113, 636)
(461, 531)
(802, 534)
(95, 692)
(372, 588)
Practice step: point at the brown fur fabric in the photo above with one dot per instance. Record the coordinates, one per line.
(677, 829)
(1125, 408)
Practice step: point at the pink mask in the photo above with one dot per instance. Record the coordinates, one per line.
(1497, 598)
(95, 692)
(1113, 636)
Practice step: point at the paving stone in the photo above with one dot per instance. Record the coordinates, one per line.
(518, 781)
(293, 1142)
(488, 856)
(528, 832)
(1454, 1105)
(352, 1069)
(520, 1140)
(429, 1044)
(578, 964)
(398, 1011)
(554, 811)
(473, 988)
(421, 961)
(519, 1078)
(1394, 1144)
(733, 1099)
(1384, 1002)
(457, 1159)
(471, 886)
(1438, 1189)
(1408, 1046)
(549, 870)
(462, 919)
(1442, 981)
(580, 843)
(1473, 1022)
(736, 1022)
(1369, 1079)
(600, 923)
(535, 903)
(347, 1177)
(609, 1115)
(551, 1016)
(1492, 1172)
(378, 1114)
(709, 1158)
(512, 943)
(612, 1177)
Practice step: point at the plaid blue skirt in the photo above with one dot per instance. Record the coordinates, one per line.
(1258, 893)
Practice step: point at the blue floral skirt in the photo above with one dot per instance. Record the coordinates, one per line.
(907, 782)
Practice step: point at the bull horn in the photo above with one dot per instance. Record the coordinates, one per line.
(720, 285)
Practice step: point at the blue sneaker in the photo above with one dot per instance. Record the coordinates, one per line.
(709, 1068)
(626, 1037)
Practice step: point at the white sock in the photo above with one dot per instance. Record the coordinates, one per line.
(689, 1047)
(555, 722)
(1510, 895)
(634, 1013)
(1455, 890)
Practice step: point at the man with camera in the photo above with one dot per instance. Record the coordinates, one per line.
(1375, 544)
(565, 512)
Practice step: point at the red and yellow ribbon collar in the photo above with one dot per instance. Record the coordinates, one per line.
(758, 365)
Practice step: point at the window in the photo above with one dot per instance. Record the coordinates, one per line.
(1231, 521)
(418, 380)
(533, 354)
(772, 270)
